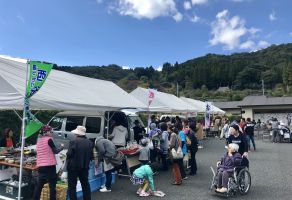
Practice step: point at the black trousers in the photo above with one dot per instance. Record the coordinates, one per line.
(193, 162)
(72, 182)
(164, 162)
(46, 175)
(108, 179)
(181, 167)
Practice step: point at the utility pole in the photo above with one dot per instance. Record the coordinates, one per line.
(263, 87)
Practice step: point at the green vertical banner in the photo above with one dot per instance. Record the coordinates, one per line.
(38, 73)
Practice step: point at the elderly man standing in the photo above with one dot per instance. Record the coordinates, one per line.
(79, 154)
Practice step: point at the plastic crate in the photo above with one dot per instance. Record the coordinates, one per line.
(11, 191)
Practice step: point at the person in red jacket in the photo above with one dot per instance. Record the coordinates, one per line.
(46, 163)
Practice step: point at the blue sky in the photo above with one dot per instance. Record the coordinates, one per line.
(138, 33)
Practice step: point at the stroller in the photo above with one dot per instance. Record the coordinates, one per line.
(284, 134)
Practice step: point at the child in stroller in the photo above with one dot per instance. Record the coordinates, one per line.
(226, 167)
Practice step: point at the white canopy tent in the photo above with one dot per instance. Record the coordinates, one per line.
(162, 102)
(62, 91)
(201, 106)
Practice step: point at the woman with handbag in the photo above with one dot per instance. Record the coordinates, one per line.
(174, 145)
(183, 145)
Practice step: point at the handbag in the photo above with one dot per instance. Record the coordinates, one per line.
(177, 154)
(117, 160)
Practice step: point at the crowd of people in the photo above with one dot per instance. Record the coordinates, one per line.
(170, 143)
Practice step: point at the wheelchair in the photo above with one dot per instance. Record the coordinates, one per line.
(239, 182)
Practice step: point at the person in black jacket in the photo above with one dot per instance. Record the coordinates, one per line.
(238, 138)
(79, 155)
(193, 148)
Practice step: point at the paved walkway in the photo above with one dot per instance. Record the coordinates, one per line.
(270, 167)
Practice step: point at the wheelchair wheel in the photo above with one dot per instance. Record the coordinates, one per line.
(244, 181)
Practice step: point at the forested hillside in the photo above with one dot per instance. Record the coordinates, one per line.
(201, 77)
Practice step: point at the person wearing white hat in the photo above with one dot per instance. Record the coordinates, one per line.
(79, 155)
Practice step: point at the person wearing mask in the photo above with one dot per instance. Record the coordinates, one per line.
(79, 155)
(249, 130)
(46, 163)
(174, 143)
(238, 138)
(119, 135)
(7, 139)
(164, 145)
(139, 131)
(183, 139)
(193, 148)
(106, 150)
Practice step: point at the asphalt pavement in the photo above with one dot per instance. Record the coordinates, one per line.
(270, 168)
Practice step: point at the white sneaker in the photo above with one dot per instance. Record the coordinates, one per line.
(200, 147)
(104, 190)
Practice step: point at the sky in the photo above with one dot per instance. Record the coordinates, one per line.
(139, 33)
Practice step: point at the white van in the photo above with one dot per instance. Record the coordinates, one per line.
(94, 122)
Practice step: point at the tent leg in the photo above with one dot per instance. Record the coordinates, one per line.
(17, 114)
(107, 130)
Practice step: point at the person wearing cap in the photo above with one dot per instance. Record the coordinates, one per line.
(144, 152)
(79, 155)
(238, 138)
(46, 163)
(139, 131)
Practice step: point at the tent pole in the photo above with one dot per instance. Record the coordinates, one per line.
(17, 114)
(108, 118)
(22, 138)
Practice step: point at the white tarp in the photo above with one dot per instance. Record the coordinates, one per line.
(201, 106)
(61, 91)
(162, 102)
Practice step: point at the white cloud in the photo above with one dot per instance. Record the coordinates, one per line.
(126, 67)
(263, 44)
(253, 30)
(199, 2)
(249, 44)
(290, 34)
(232, 33)
(195, 18)
(159, 68)
(99, 1)
(272, 16)
(178, 17)
(237, 1)
(149, 9)
(227, 30)
(187, 5)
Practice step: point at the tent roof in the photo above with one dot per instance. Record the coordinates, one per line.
(61, 91)
(162, 102)
(201, 106)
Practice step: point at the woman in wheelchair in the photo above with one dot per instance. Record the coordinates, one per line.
(226, 167)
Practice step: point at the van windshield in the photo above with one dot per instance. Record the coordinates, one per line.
(56, 123)
(132, 120)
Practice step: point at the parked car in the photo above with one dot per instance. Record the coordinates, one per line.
(94, 122)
